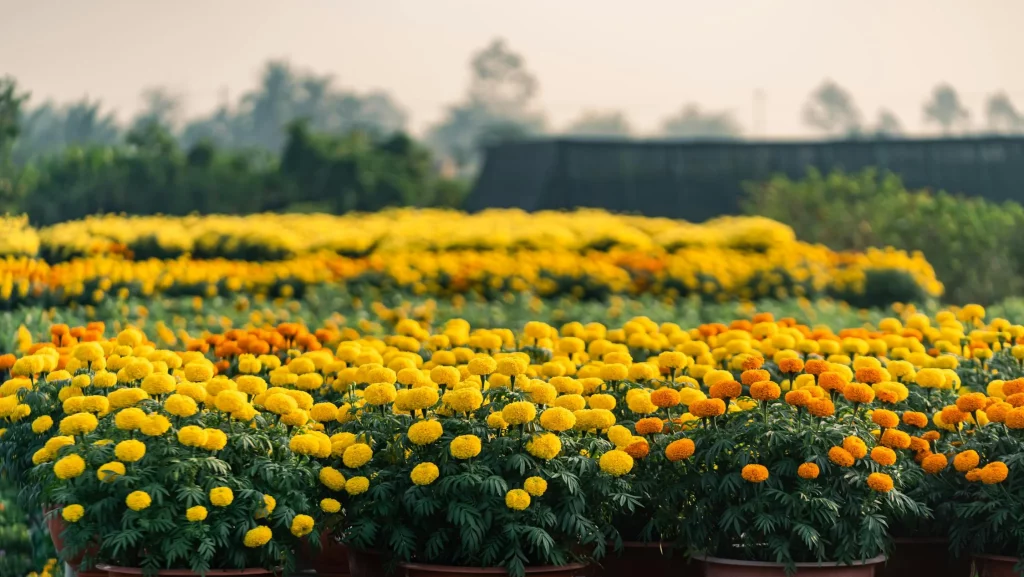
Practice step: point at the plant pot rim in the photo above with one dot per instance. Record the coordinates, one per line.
(995, 557)
(538, 569)
(186, 572)
(740, 563)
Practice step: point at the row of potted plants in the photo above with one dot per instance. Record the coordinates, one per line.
(762, 445)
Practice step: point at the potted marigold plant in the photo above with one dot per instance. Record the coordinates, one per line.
(179, 476)
(479, 482)
(800, 483)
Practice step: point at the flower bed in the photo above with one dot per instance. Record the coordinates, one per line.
(761, 440)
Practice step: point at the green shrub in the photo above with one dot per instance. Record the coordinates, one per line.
(971, 242)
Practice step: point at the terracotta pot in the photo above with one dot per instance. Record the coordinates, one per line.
(995, 566)
(332, 561)
(924, 556)
(55, 524)
(650, 559)
(112, 571)
(423, 570)
(366, 563)
(715, 567)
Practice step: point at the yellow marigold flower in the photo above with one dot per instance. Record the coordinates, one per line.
(221, 496)
(880, 482)
(192, 436)
(519, 413)
(840, 456)
(79, 424)
(543, 393)
(332, 478)
(496, 421)
(545, 446)
(69, 467)
(883, 456)
(755, 473)
(42, 424)
(129, 419)
(466, 446)
(158, 384)
(196, 514)
(357, 455)
(130, 451)
(557, 419)
(72, 513)
(155, 425)
(109, 472)
(302, 525)
(966, 461)
(994, 472)
(602, 401)
(424, 473)
(616, 463)
(56, 443)
(482, 366)
(380, 394)
(330, 505)
(517, 499)
(808, 471)
(357, 485)
(933, 464)
(41, 456)
(680, 449)
(123, 398)
(138, 500)
(462, 400)
(257, 537)
(535, 486)
(672, 360)
(425, 432)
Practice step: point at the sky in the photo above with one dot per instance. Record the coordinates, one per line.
(646, 58)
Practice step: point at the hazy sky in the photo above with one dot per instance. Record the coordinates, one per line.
(644, 57)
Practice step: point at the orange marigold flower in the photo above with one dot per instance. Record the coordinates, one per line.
(831, 381)
(725, 390)
(665, 398)
(679, 449)
(915, 419)
(883, 456)
(885, 418)
(952, 415)
(649, 426)
(998, 412)
(887, 396)
(752, 363)
(798, 398)
(919, 444)
(855, 446)
(895, 439)
(765, 391)
(1013, 387)
(755, 473)
(1015, 418)
(789, 366)
(971, 402)
(933, 464)
(1016, 400)
(840, 456)
(994, 472)
(752, 376)
(880, 482)
(816, 367)
(974, 475)
(808, 471)
(858, 393)
(821, 408)
(707, 408)
(638, 449)
(931, 436)
(966, 461)
(869, 375)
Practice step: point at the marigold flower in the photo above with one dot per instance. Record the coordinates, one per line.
(517, 499)
(221, 496)
(680, 449)
(880, 482)
(664, 397)
(994, 472)
(138, 500)
(357, 455)
(971, 402)
(765, 391)
(966, 460)
(935, 463)
(831, 381)
(196, 514)
(885, 419)
(638, 449)
(73, 513)
(755, 473)
(557, 419)
(69, 467)
(816, 367)
(840, 456)
(425, 432)
(726, 389)
(466, 446)
(519, 413)
(707, 408)
(915, 419)
(257, 537)
(855, 446)
(799, 398)
(330, 505)
(869, 375)
(616, 463)
(895, 439)
(883, 456)
(752, 376)
(332, 478)
(545, 446)
(808, 471)
(858, 393)
(973, 476)
(357, 485)
(930, 378)
(790, 366)
(649, 426)
(535, 486)
(109, 472)
(302, 525)
(823, 407)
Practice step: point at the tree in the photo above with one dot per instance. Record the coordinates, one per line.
(11, 185)
(831, 110)
(499, 97)
(600, 124)
(161, 107)
(887, 125)
(692, 122)
(946, 110)
(1002, 115)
